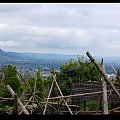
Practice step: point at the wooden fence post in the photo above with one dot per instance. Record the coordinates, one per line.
(100, 103)
(118, 78)
(84, 105)
(105, 101)
(15, 104)
(48, 96)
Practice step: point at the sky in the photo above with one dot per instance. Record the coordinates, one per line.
(68, 28)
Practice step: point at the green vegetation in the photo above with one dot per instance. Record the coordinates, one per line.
(40, 85)
(73, 71)
(11, 78)
(91, 105)
(80, 70)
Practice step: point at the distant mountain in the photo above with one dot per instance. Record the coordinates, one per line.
(53, 57)
(12, 56)
(33, 60)
(19, 55)
(5, 56)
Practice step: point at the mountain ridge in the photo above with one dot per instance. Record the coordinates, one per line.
(34, 60)
(13, 56)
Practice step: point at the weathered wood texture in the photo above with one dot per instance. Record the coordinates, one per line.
(105, 101)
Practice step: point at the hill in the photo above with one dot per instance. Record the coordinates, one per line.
(34, 60)
(12, 56)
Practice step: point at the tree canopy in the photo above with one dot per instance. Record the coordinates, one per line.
(73, 71)
(11, 78)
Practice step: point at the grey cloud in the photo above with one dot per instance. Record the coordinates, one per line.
(59, 28)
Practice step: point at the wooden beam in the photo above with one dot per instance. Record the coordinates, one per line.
(114, 109)
(102, 73)
(6, 98)
(83, 94)
(19, 102)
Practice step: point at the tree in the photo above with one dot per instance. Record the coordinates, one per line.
(80, 70)
(40, 85)
(11, 78)
(76, 71)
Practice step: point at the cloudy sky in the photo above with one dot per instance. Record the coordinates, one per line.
(61, 28)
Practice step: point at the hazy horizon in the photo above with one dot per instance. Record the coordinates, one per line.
(70, 29)
(61, 54)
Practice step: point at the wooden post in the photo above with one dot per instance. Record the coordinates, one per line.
(105, 101)
(27, 103)
(15, 104)
(100, 103)
(118, 75)
(99, 98)
(84, 105)
(103, 74)
(19, 102)
(31, 92)
(48, 97)
(112, 105)
(54, 81)
(62, 96)
(33, 96)
(113, 69)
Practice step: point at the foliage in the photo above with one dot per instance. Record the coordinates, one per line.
(4, 109)
(76, 71)
(11, 78)
(4, 92)
(40, 85)
(80, 70)
(91, 105)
